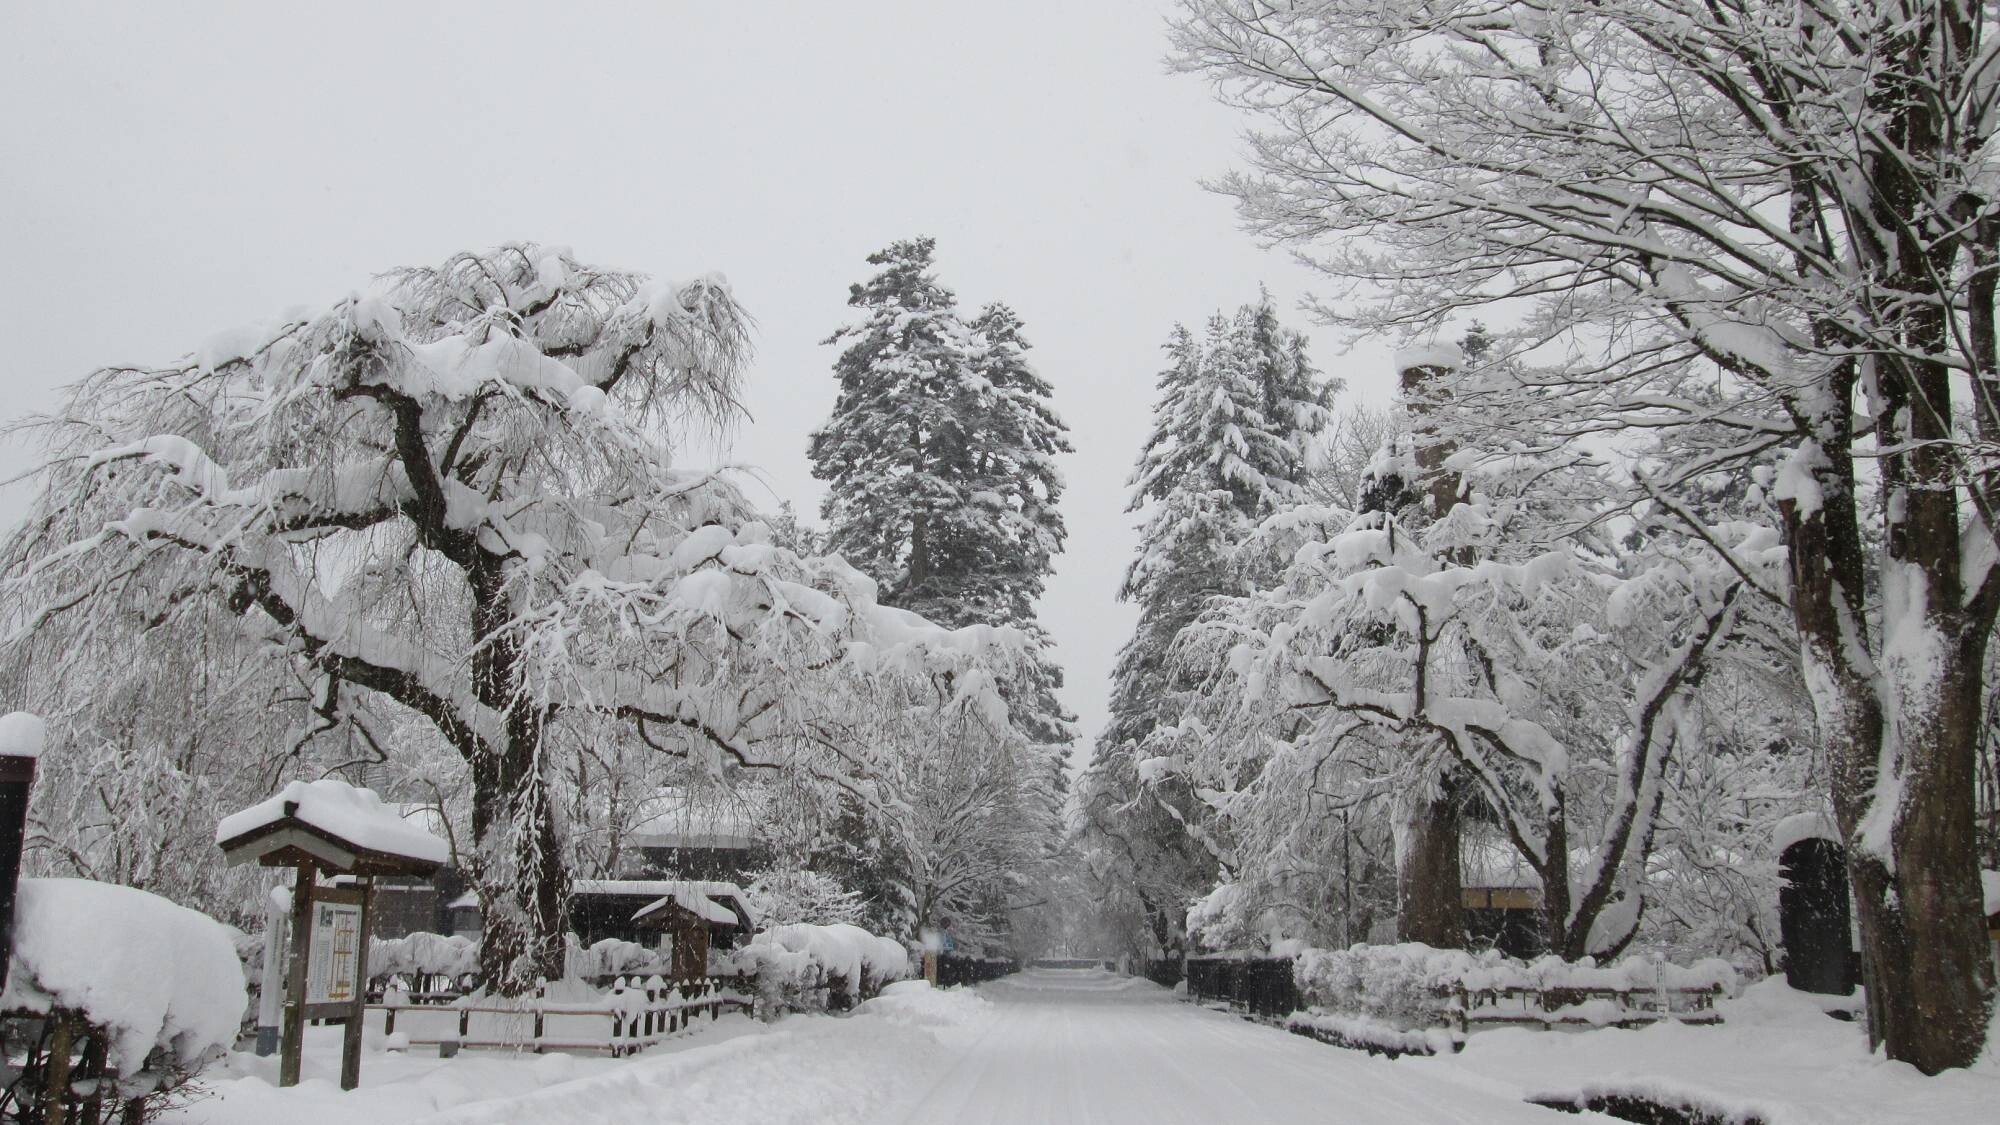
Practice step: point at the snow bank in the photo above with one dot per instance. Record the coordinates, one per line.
(1373, 1036)
(1776, 1056)
(344, 811)
(155, 974)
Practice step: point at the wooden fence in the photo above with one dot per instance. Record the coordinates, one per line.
(954, 969)
(632, 1017)
(1261, 986)
(1264, 986)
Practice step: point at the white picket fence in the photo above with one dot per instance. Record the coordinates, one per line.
(632, 1016)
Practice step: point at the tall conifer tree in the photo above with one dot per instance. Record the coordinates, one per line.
(1237, 410)
(940, 457)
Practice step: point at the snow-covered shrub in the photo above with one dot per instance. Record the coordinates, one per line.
(431, 954)
(803, 967)
(1411, 985)
(157, 987)
(612, 957)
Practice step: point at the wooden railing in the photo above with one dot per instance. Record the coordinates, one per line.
(635, 1015)
(1467, 1009)
(1264, 986)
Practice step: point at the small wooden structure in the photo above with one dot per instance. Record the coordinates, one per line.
(694, 915)
(328, 827)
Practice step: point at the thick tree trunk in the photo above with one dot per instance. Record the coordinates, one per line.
(517, 850)
(517, 866)
(1430, 897)
(1901, 723)
(1430, 893)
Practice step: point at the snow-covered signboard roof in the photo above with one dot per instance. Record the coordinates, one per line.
(332, 824)
(719, 904)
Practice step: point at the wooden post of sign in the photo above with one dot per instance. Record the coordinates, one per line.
(292, 1048)
(350, 1040)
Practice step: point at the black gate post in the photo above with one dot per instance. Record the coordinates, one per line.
(20, 745)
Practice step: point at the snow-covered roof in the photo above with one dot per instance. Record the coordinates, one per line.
(710, 900)
(21, 735)
(1430, 355)
(351, 817)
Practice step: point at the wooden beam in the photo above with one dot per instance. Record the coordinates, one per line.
(293, 1044)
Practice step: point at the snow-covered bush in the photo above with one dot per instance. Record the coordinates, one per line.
(1410, 985)
(612, 957)
(430, 954)
(810, 968)
(155, 988)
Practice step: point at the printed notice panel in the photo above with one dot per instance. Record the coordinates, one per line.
(333, 966)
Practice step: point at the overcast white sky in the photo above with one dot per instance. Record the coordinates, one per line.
(167, 171)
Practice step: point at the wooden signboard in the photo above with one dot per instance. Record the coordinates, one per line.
(329, 977)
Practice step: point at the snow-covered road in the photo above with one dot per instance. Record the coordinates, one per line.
(1083, 1047)
(1045, 1047)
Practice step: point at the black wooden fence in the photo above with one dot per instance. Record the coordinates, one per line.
(1261, 986)
(955, 969)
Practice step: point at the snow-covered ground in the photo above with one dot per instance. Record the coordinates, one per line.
(1777, 1056)
(1050, 1047)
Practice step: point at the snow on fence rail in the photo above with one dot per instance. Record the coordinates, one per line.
(632, 1016)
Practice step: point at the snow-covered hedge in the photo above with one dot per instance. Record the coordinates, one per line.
(612, 957)
(1407, 985)
(456, 956)
(153, 975)
(423, 953)
(804, 967)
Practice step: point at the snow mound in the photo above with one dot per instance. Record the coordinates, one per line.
(914, 1003)
(155, 974)
(344, 811)
(21, 735)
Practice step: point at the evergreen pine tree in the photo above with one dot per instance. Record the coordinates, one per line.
(940, 457)
(1236, 412)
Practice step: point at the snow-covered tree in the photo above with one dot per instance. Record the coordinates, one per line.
(1773, 220)
(1237, 411)
(940, 457)
(452, 496)
(1558, 683)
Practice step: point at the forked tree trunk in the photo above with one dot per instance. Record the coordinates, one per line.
(1430, 892)
(1916, 706)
